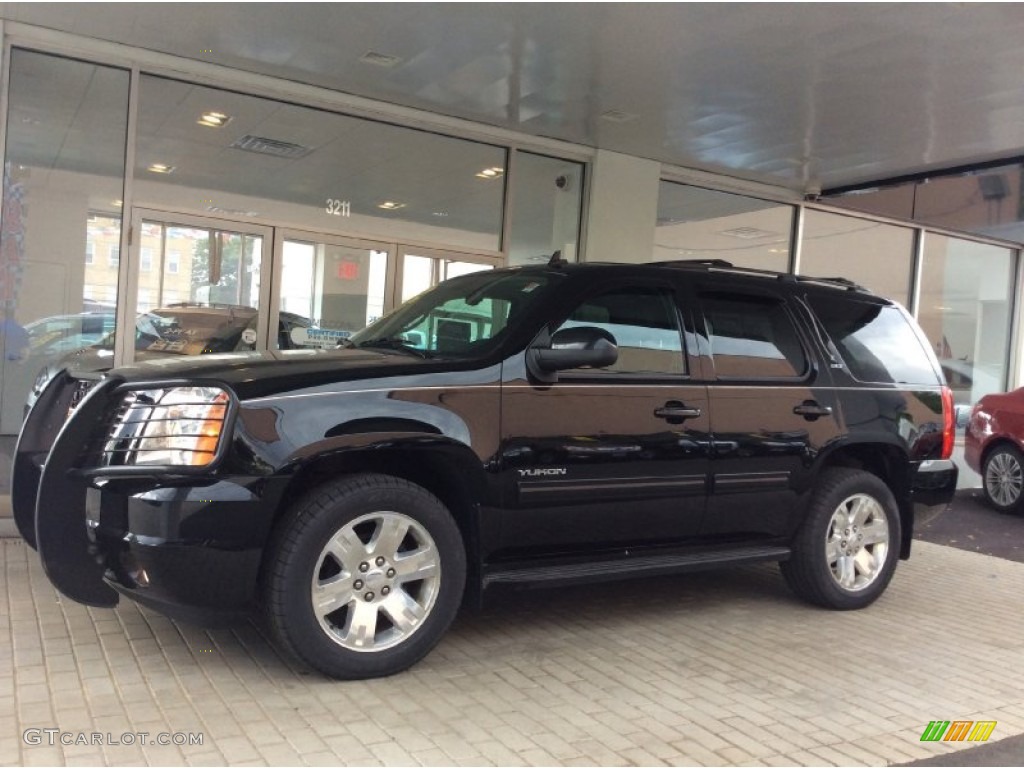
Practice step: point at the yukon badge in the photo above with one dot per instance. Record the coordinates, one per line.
(542, 472)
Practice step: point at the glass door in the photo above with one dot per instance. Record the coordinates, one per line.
(197, 286)
(423, 268)
(327, 288)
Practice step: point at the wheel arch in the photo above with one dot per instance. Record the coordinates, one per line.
(996, 442)
(888, 462)
(446, 468)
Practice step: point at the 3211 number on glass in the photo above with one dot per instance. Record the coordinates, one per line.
(338, 207)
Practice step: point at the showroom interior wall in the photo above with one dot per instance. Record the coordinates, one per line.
(98, 133)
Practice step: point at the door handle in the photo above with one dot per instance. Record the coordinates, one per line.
(810, 410)
(675, 412)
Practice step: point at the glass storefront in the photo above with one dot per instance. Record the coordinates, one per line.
(698, 223)
(548, 195)
(329, 288)
(420, 272)
(987, 202)
(874, 254)
(250, 158)
(965, 309)
(63, 186)
(256, 223)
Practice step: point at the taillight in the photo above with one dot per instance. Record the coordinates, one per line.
(948, 422)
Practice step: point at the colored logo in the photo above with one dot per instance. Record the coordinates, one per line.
(958, 730)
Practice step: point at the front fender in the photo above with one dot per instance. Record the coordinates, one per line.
(406, 452)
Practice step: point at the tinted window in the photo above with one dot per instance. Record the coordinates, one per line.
(876, 342)
(752, 337)
(645, 325)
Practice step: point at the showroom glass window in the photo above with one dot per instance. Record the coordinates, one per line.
(965, 310)
(254, 159)
(698, 223)
(547, 197)
(874, 254)
(987, 202)
(62, 191)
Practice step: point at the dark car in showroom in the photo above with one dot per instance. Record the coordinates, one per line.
(528, 426)
(177, 329)
(994, 448)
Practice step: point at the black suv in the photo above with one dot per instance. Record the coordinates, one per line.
(547, 424)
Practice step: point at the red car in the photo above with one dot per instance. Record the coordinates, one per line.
(994, 447)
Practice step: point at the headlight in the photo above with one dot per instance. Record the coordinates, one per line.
(179, 426)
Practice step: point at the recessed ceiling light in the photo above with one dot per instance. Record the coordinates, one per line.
(160, 168)
(494, 172)
(617, 116)
(439, 213)
(390, 205)
(117, 203)
(380, 59)
(214, 119)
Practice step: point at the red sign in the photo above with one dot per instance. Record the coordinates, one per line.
(348, 270)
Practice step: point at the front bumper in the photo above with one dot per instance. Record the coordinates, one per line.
(189, 546)
(191, 552)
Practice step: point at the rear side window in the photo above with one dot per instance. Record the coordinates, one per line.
(752, 337)
(875, 341)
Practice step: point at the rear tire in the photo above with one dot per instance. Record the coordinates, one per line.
(846, 550)
(364, 577)
(1002, 478)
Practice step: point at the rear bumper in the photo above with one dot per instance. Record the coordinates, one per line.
(933, 487)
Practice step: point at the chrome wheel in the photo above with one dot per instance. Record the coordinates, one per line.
(1004, 478)
(857, 542)
(376, 581)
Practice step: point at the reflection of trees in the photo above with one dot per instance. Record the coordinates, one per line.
(224, 270)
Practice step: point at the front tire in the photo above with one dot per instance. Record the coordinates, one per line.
(1003, 478)
(364, 577)
(846, 550)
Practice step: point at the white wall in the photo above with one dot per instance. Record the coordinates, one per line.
(623, 208)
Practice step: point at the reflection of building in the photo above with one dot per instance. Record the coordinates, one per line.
(165, 265)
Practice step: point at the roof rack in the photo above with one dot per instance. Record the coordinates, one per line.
(728, 266)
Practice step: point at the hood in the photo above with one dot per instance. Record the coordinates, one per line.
(259, 374)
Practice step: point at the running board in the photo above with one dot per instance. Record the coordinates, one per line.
(632, 567)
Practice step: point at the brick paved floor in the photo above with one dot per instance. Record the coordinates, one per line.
(717, 668)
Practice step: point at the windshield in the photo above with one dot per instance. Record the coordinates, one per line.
(462, 317)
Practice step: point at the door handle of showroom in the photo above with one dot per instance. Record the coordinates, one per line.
(675, 412)
(810, 410)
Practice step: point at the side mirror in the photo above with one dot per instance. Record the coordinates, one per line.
(585, 346)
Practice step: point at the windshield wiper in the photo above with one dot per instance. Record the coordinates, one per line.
(396, 343)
